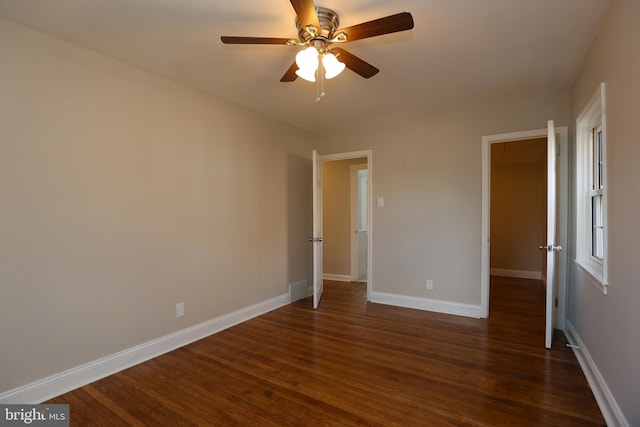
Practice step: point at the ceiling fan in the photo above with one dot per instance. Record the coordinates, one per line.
(318, 30)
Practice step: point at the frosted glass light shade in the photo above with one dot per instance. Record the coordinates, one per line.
(307, 58)
(308, 74)
(307, 62)
(332, 66)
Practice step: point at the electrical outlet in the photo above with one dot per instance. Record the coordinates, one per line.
(179, 309)
(429, 285)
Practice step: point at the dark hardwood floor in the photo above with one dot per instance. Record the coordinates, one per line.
(356, 363)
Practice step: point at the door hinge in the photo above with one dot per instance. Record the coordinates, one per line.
(556, 302)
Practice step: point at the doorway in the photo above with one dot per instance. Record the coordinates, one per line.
(343, 219)
(518, 226)
(561, 152)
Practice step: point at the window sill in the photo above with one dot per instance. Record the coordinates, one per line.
(594, 274)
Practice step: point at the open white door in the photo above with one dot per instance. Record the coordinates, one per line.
(551, 246)
(316, 239)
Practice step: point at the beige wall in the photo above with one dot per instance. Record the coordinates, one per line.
(336, 193)
(428, 169)
(518, 206)
(122, 194)
(608, 324)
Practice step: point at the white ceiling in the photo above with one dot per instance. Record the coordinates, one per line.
(460, 51)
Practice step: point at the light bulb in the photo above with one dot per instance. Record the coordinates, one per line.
(332, 66)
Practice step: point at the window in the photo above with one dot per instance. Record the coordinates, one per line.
(591, 190)
(597, 190)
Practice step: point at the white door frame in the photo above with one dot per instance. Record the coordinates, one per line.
(562, 213)
(368, 154)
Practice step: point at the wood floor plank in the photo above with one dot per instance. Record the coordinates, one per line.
(357, 363)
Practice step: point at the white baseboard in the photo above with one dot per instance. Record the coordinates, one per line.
(73, 378)
(611, 412)
(516, 274)
(427, 304)
(299, 290)
(337, 277)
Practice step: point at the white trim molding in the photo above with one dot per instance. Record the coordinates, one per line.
(438, 306)
(79, 376)
(611, 412)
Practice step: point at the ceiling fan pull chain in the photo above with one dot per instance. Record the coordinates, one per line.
(320, 82)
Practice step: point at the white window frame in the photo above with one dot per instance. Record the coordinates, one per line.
(591, 120)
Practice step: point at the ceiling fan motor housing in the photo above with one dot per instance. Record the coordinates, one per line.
(329, 23)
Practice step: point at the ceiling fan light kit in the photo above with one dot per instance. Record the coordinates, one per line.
(317, 32)
(308, 61)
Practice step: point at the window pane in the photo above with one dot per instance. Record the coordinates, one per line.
(600, 180)
(597, 177)
(597, 237)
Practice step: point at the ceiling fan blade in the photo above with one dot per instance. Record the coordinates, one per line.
(355, 64)
(290, 75)
(390, 24)
(253, 40)
(306, 11)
